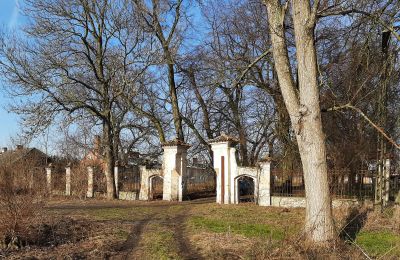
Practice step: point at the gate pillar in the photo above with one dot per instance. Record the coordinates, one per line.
(225, 166)
(175, 170)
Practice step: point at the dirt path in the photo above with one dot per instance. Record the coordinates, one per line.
(173, 222)
(134, 237)
(161, 217)
(186, 250)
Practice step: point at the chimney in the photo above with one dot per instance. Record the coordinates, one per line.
(4, 149)
(195, 161)
(20, 146)
(97, 143)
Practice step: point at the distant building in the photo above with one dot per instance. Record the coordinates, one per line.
(95, 156)
(24, 167)
(22, 156)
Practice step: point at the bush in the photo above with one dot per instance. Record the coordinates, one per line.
(20, 206)
(79, 181)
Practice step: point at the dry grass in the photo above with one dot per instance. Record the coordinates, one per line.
(201, 229)
(21, 205)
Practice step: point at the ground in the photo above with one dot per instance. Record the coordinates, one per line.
(199, 229)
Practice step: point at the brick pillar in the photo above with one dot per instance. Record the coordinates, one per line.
(264, 186)
(68, 180)
(48, 178)
(89, 193)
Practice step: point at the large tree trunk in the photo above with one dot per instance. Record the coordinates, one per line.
(310, 136)
(109, 160)
(304, 112)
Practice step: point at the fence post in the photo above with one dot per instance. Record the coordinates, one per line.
(387, 181)
(116, 178)
(68, 180)
(89, 193)
(144, 185)
(48, 178)
(264, 186)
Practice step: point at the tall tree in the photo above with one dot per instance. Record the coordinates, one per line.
(162, 18)
(73, 58)
(304, 109)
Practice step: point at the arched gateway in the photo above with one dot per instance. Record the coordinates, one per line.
(173, 173)
(156, 183)
(245, 187)
(229, 174)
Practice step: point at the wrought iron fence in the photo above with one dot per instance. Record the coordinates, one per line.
(129, 179)
(342, 183)
(288, 183)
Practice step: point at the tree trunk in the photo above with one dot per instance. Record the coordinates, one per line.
(108, 160)
(174, 100)
(304, 112)
(310, 136)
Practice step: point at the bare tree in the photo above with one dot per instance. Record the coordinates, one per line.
(304, 110)
(74, 58)
(162, 18)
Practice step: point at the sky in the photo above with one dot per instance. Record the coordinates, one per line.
(10, 19)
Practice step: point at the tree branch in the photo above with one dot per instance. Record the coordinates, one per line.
(378, 128)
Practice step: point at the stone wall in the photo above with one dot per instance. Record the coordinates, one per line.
(127, 195)
(300, 202)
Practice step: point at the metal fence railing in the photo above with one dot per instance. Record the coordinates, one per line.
(129, 179)
(342, 183)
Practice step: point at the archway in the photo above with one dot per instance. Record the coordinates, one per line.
(156, 187)
(245, 189)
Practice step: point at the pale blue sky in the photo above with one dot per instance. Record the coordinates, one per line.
(10, 19)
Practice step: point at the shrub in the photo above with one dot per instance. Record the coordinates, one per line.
(21, 203)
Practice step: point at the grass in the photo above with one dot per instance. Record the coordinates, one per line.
(159, 243)
(245, 229)
(121, 234)
(377, 243)
(109, 213)
(118, 213)
(211, 230)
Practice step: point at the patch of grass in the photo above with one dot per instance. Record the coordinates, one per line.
(121, 234)
(377, 243)
(245, 229)
(160, 244)
(159, 247)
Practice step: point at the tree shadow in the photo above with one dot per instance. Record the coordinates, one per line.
(355, 221)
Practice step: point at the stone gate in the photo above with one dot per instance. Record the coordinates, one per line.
(228, 173)
(173, 173)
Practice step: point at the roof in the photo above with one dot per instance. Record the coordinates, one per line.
(223, 138)
(266, 159)
(175, 142)
(13, 156)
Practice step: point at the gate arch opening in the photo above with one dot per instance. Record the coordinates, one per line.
(245, 189)
(156, 187)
